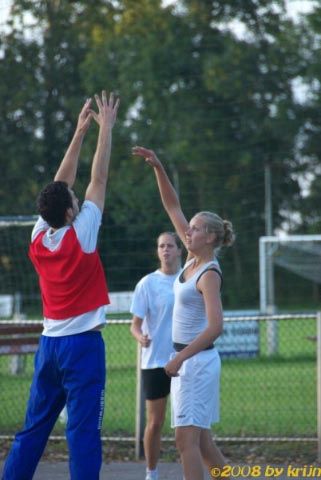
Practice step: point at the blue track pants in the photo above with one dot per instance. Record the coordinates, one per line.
(69, 371)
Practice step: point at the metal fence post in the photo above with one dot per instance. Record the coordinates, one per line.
(140, 408)
(18, 362)
(319, 383)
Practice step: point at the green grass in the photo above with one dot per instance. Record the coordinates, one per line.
(261, 396)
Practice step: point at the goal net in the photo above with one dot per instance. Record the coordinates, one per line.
(302, 257)
(299, 254)
(19, 291)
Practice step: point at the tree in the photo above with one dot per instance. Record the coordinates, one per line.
(309, 145)
(42, 91)
(214, 106)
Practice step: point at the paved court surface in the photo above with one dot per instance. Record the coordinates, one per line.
(110, 471)
(136, 471)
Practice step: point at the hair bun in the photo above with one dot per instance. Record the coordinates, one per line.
(229, 235)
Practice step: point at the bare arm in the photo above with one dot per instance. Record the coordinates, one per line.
(136, 331)
(209, 284)
(167, 192)
(106, 117)
(68, 168)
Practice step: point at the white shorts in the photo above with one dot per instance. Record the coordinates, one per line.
(195, 393)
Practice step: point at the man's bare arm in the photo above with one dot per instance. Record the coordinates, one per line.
(68, 168)
(106, 117)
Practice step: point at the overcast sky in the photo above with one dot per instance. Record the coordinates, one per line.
(294, 7)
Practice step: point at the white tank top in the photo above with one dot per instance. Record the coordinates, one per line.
(189, 317)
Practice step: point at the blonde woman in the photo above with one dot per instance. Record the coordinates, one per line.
(197, 323)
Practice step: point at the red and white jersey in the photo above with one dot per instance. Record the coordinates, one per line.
(71, 277)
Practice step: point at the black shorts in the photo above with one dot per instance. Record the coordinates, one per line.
(156, 383)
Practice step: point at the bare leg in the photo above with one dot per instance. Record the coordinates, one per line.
(211, 454)
(156, 411)
(188, 445)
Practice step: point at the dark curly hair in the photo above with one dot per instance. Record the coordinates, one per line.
(53, 202)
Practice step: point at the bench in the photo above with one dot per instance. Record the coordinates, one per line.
(18, 338)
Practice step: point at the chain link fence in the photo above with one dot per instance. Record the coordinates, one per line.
(263, 396)
(269, 363)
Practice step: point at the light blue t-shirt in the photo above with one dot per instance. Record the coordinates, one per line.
(153, 302)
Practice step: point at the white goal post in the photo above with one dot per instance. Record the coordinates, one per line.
(300, 254)
(10, 260)
(13, 274)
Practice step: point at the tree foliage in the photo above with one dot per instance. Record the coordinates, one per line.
(216, 106)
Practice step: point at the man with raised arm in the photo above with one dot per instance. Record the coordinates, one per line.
(70, 361)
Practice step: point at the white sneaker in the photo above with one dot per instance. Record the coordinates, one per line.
(151, 475)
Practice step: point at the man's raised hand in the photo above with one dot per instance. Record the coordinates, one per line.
(107, 110)
(84, 117)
